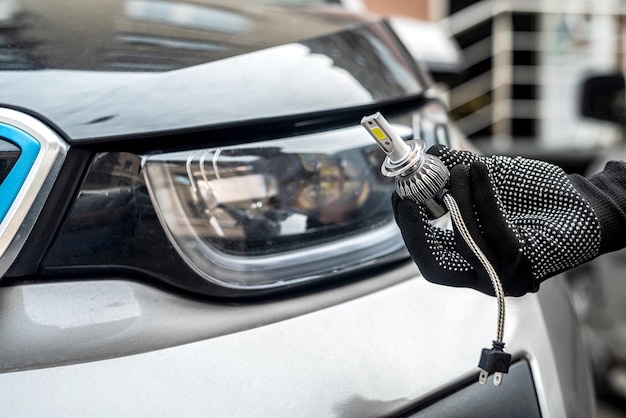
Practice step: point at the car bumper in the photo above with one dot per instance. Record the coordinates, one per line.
(119, 348)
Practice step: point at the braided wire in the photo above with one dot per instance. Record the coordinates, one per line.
(455, 213)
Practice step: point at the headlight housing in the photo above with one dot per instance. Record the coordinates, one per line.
(238, 220)
(277, 212)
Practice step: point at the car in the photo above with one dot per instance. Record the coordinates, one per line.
(194, 223)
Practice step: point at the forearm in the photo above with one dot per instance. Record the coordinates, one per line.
(606, 192)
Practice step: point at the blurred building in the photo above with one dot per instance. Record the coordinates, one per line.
(524, 65)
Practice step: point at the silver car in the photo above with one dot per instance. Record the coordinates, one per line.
(193, 223)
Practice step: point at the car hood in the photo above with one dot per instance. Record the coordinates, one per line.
(122, 69)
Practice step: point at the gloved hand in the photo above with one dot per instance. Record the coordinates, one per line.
(527, 216)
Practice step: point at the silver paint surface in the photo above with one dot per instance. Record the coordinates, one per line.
(364, 357)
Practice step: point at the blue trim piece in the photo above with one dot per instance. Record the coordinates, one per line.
(13, 183)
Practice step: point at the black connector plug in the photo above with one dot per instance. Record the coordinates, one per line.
(494, 360)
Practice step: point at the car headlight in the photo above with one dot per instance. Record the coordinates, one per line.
(277, 212)
(239, 220)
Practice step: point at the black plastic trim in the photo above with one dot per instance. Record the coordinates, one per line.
(250, 131)
(515, 398)
(52, 215)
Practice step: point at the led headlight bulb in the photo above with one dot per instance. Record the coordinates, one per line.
(419, 176)
(422, 177)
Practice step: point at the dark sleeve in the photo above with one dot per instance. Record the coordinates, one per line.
(606, 192)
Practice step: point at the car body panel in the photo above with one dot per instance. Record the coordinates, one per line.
(368, 356)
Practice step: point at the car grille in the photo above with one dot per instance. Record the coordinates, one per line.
(9, 153)
(31, 156)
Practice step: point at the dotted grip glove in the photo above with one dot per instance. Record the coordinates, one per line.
(530, 219)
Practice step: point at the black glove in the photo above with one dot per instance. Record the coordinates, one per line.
(528, 217)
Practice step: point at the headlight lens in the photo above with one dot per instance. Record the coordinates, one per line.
(277, 212)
